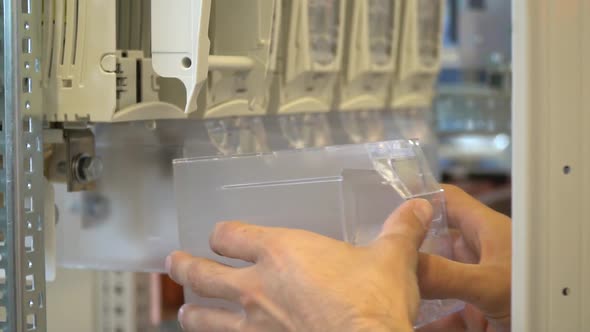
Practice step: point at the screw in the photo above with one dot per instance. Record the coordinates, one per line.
(88, 169)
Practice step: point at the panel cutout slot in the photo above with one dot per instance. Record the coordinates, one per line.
(39, 224)
(28, 204)
(31, 322)
(41, 300)
(27, 7)
(64, 38)
(27, 85)
(27, 45)
(30, 283)
(75, 32)
(28, 125)
(29, 165)
(29, 243)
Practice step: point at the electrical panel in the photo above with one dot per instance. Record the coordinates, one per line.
(117, 60)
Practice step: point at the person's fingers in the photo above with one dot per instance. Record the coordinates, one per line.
(238, 240)
(410, 221)
(440, 278)
(465, 214)
(477, 222)
(485, 286)
(462, 251)
(451, 323)
(206, 278)
(197, 319)
(474, 319)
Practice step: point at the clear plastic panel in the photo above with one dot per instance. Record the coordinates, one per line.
(381, 23)
(324, 27)
(363, 126)
(240, 135)
(334, 191)
(306, 130)
(129, 222)
(429, 27)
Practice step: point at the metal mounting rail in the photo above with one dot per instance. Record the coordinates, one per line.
(22, 254)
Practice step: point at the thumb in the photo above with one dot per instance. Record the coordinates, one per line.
(411, 220)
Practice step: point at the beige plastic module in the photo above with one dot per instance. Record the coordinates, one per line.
(420, 54)
(239, 79)
(79, 72)
(96, 63)
(372, 43)
(224, 69)
(310, 60)
(130, 60)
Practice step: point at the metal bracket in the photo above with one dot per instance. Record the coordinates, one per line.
(82, 166)
(72, 160)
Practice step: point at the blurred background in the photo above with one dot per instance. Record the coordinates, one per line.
(473, 103)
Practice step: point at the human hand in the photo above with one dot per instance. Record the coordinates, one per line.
(481, 277)
(302, 281)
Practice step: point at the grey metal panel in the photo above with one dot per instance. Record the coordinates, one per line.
(551, 232)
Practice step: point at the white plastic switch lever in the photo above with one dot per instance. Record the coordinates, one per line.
(180, 43)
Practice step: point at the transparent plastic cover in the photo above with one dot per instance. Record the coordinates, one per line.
(344, 192)
(129, 222)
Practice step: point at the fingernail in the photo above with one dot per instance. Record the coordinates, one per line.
(168, 263)
(180, 314)
(423, 211)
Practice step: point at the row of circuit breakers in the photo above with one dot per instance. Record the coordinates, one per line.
(128, 60)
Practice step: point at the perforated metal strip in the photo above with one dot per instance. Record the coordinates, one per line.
(124, 300)
(22, 261)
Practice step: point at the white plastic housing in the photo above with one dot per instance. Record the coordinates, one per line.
(420, 56)
(372, 42)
